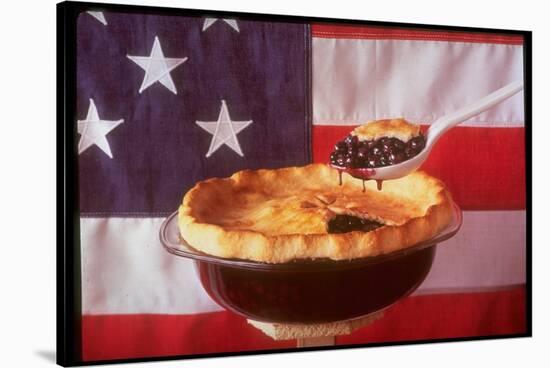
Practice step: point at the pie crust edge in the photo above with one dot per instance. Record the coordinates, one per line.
(252, 245)
(396, 128)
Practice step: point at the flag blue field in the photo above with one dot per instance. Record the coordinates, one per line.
(198, 97)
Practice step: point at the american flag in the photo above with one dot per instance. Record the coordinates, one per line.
(165, 101)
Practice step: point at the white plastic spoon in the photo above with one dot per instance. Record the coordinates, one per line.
(436, 130)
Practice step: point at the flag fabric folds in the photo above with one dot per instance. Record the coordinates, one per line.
(165, 101)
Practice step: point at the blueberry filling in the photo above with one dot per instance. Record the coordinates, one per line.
(353, 153)
(346, 223)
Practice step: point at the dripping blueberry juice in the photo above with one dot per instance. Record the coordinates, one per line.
(359, 158)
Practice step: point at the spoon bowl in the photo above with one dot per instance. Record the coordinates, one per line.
(436, 130)
(395, 171)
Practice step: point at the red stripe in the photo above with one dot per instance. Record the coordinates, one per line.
(151, 335)
(447, 316)
(420, 317)
(484, 168)
(384, 33)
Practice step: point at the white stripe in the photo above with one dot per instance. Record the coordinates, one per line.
(126, 270)
(359, 80)
(489, 251)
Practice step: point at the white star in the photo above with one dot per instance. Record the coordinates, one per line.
(99, 16)
(224, 131)
(93, 130)
(157, 67)
(209, 21)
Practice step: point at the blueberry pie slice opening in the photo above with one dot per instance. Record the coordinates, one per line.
(346, 223)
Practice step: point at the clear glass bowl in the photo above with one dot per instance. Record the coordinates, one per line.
(310, 291)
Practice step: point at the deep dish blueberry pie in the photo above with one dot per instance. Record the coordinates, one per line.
(294, 213)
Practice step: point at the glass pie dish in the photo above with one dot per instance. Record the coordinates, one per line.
(310, 291)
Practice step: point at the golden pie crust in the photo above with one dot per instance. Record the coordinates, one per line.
(396, 128)
(277, 216)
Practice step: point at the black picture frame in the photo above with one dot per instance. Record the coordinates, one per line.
(69, 295)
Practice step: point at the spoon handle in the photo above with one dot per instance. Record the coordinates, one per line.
(446, 122)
